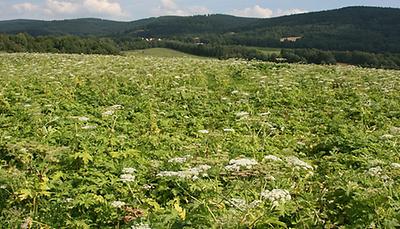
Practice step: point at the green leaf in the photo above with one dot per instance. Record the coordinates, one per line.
(84, 156)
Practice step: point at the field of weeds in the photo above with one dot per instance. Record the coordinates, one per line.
(92, 141)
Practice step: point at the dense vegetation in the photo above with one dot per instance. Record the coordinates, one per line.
(94, 141)
(57, 44)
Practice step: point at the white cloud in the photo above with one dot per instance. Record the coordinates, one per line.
(169, 4)
(260, 12)
(255, 11)
(103, 7)
(170, 7)
(71, 8)
(62, 7)
(281, 12)
(25, 7)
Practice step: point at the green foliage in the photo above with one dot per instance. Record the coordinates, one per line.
(57, 44)
(128, 141)
(368, 29)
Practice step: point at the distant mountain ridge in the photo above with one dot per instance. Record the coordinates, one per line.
(352, 28)
(101, 27)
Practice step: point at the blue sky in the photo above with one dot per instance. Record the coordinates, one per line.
(127, 10)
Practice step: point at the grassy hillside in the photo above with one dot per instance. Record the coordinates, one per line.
(159, 52)
(129, 142)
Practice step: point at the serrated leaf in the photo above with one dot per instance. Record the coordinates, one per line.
(84, 156)
(24, 194)
(179, 209)
(152, 203)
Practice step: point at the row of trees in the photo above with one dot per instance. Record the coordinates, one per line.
(91, 45)
(57, 44)
(364, 59)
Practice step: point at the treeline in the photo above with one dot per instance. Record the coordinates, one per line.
(364, 59)
(218, 51)
(57, 44)
(92, 45)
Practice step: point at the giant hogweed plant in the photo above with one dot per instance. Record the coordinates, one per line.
(91, 141)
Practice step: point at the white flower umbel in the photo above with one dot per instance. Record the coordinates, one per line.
(140, 226)
(395, 165)
(180, 160)
(242, 114)
(297, 163)
(127, 178)
(237, 164)
(375, 171)
(191, 173)
(276, 196)
(147, 187)
(111, 110)
(89, 127)
(108, 113)
(116, 107)
(238, 203)
(387, 136)
(204, 131)
(272, 158)
(118, 204)
(83, 119)
(128, 170)
(395, 130)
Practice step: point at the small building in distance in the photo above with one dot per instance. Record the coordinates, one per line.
(290, 39)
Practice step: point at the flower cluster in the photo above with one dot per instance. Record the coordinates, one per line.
(111, 110)
(83, 119)
(191, 173)
(237, 164)
(242, 114)
(141, 226)
(180, 160)
(276, 196)
(88, 127)
(204, 131)
(375, 171)
(118, 204)
(387, 137)
(272, 158)
(128, 170)
(128, 175)
(297, 163)
(395, 165)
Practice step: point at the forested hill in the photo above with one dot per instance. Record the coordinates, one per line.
(80, 27)
(369, 29)
(352, 28)
(160, 26)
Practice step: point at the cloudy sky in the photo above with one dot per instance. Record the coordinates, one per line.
(136, 9)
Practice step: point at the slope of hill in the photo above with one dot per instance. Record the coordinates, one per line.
(159, 52)
(89, 141)
(351, 28)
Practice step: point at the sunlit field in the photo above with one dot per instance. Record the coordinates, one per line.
(91, 141)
